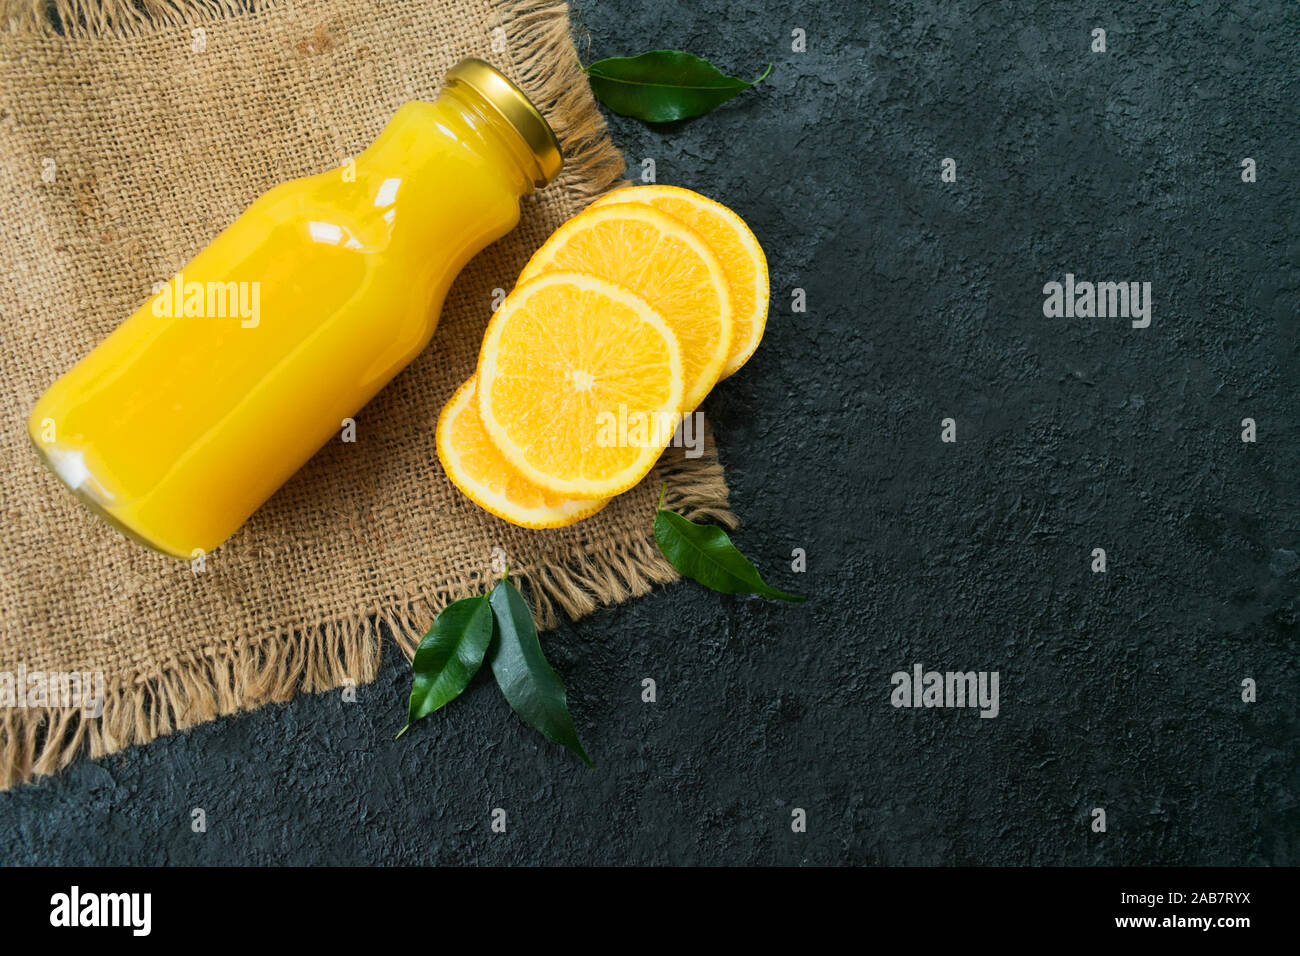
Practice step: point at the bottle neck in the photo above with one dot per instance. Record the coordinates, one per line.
(480, 111)
(496, 138)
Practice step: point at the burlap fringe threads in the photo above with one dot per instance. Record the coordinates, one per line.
(273, 668)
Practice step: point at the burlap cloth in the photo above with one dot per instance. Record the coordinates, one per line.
(161, 122)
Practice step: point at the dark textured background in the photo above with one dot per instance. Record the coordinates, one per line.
(924, 301)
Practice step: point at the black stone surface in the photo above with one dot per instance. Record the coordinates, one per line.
(1118, 690)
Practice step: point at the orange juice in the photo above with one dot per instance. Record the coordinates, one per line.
(183, 421)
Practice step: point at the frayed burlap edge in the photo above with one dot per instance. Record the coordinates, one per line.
(270, 668)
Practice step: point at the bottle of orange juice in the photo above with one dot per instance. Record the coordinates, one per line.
(183, 421)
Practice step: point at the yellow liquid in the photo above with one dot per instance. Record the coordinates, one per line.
(179, 426)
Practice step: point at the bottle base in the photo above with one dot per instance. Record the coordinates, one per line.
(74, 476)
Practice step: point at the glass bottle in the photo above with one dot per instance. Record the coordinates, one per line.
(191, 414)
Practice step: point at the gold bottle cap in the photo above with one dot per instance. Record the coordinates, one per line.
(516, 109)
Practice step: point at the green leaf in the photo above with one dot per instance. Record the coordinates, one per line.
(449, 656)
(532, 688)
(663, 85)
(705, 553)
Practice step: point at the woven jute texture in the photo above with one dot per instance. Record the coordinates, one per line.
(131, 133)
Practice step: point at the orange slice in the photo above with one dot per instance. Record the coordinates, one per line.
(736, 248)
(665, 262)
(579, 384)
(475, 466)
